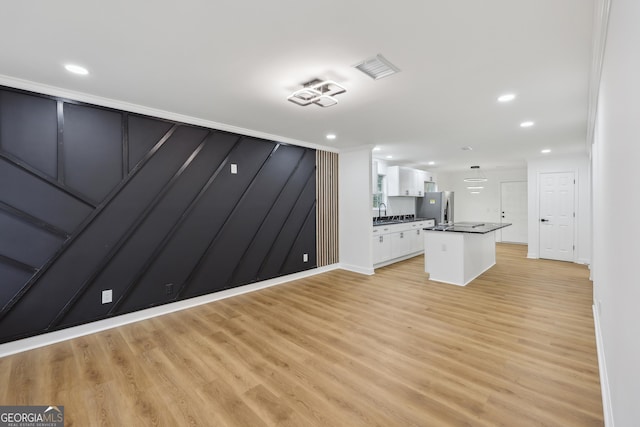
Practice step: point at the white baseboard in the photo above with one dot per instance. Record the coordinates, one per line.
(532, 255)
(357, 269)
(113, 322)
(394, 260)
(602, 366)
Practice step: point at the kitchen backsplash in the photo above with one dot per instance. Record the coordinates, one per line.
(398, 206)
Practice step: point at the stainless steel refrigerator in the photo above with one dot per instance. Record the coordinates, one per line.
(438, 205)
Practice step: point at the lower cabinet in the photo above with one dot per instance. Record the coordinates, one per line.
(416, 241)
(400, 245)
(381, 248)
(397, 242)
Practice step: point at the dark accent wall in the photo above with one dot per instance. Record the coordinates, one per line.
(93, 199)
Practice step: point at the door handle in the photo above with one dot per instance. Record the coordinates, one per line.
(544, 220)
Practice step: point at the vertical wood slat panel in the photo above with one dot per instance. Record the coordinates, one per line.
(327, 207)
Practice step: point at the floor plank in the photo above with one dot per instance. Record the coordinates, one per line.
(514, 347)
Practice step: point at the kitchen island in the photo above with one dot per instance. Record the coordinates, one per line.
(459, 253)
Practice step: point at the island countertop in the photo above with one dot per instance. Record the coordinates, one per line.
(469, 227)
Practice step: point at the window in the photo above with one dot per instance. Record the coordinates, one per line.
(379, 193)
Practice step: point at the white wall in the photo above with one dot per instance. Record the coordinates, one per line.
(354, 201)
(478, 207)
(400, 205)
(580, 166)
(616, 216)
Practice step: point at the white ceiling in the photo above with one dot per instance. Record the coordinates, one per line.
(236, 61)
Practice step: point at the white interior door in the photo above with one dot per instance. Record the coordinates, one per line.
(513, 203)
(557, 215)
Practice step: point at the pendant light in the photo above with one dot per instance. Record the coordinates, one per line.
(477, 176)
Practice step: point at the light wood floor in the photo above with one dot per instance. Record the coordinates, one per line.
(515, 348)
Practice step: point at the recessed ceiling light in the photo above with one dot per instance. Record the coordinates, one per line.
(389, 157)
(331, 136)
(431, 163)
(507, 97)
(377, 149)
(475, 188)
(467, 148)
(545, 151)
(475, 192)
(526, 124)
(76, 69)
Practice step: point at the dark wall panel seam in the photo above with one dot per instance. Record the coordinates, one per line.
(304, 223)
(284, 223)
(125, 145)
(36, 173)
(83, 226)
(184, 286)
(15, 263)
(37, 222)
(113, 251)
(266, 216)
(167, 238)
(60, 142)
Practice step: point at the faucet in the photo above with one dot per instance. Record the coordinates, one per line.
(380, 207)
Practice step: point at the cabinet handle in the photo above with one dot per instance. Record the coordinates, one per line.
(381, 239)
(418, 232)
(406, 192)
(402, 235)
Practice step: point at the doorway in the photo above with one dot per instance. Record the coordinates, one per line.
(557, 216)
(513, 207)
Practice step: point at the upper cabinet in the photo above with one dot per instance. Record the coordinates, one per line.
(404, 181)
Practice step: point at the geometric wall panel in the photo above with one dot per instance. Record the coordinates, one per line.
(28, 130)
(92, 150)
(146, 207)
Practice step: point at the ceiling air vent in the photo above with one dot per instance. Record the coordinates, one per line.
(377, 67)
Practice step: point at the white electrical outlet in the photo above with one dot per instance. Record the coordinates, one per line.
(305, 258)
(107, 296)
(234, 168)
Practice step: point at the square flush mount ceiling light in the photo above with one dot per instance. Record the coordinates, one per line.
(317, 92)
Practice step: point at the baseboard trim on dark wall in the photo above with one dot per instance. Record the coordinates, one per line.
(43, 340)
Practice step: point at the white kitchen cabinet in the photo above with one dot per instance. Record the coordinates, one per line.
(401, 181)
(404, 181)
(395, 242)
(416, 241)
(381, 248)
(400, 244)
(420, 178)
